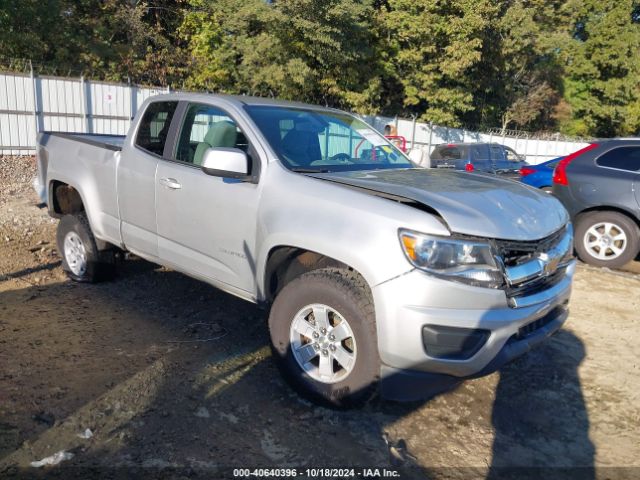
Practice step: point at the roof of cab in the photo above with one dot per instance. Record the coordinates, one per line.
(238, 100)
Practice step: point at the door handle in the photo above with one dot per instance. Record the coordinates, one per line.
(171, 183)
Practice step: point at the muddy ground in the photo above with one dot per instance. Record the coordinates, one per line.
(174, 378)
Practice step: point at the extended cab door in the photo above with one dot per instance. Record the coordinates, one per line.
(137, 178)
(498, 158)
(207, 224)
(480, 158)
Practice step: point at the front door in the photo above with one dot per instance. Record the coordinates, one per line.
(207, 224)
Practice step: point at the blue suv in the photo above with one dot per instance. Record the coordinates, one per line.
(478, 157)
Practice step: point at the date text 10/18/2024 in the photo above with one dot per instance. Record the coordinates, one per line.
(315, 473)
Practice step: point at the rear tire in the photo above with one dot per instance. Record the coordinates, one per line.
(339, 365)
(81, 258)
(606, 239)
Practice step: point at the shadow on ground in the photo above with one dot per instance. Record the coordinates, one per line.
(175, 379)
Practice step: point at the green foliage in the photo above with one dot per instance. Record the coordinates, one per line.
(433, 46)
(571, 65)
(310, 50)
(602, 65)
(110, 39)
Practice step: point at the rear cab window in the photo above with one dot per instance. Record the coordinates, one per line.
(446, 156)
(621, 158)
(449, 152)
(154, 127)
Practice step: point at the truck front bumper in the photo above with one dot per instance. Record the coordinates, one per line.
(464, 332)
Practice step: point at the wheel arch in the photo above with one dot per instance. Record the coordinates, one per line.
(609, 208)
(284, 263)
(64, 199)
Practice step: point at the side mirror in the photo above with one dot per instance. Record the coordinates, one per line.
(225, 162)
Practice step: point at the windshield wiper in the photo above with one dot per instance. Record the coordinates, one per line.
(309, 170)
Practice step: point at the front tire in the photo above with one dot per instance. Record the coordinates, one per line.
(81, 258)
(606, 239)
(323, 335)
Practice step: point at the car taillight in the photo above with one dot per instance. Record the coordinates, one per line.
(469, 167)
(560, 172)
(524, 171)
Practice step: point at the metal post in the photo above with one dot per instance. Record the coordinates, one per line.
(85, 106)
(413, 132)
(35, 103)
(133, 102)
(6, 95)
(429, 146)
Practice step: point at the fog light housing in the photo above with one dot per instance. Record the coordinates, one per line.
(453, 343)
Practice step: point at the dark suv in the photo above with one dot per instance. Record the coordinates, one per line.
(481, 157)
(600, 187)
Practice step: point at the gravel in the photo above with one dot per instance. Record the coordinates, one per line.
(16, 174)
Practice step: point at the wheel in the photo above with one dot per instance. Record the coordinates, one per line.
(81, 258)
(323, 336)
(606, 239)
(547, 189)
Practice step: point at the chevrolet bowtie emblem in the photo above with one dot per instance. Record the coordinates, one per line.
(549, 264)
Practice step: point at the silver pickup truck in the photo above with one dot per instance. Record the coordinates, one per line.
(379, 275)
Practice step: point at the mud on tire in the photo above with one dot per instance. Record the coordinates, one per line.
(348, 298)
(76, 241)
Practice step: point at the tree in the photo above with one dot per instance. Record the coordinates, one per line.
(433, 47)
(519, 79)
(602, 67)
(311, 50)
(112, 39)
(530, 64)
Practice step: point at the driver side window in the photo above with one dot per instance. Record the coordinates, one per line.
(207, 127)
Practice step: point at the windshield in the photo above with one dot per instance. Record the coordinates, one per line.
(322, 141)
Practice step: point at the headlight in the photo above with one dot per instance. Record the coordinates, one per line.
(458, 260)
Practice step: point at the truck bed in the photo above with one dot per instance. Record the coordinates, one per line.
(87, 155)
(111, 142)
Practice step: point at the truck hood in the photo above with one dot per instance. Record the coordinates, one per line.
(470, 203)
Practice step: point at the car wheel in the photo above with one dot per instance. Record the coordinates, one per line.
(323, 335)
(606, 239)
(81, 258)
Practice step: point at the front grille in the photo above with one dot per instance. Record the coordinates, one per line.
(536, 285)
(514, 252)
